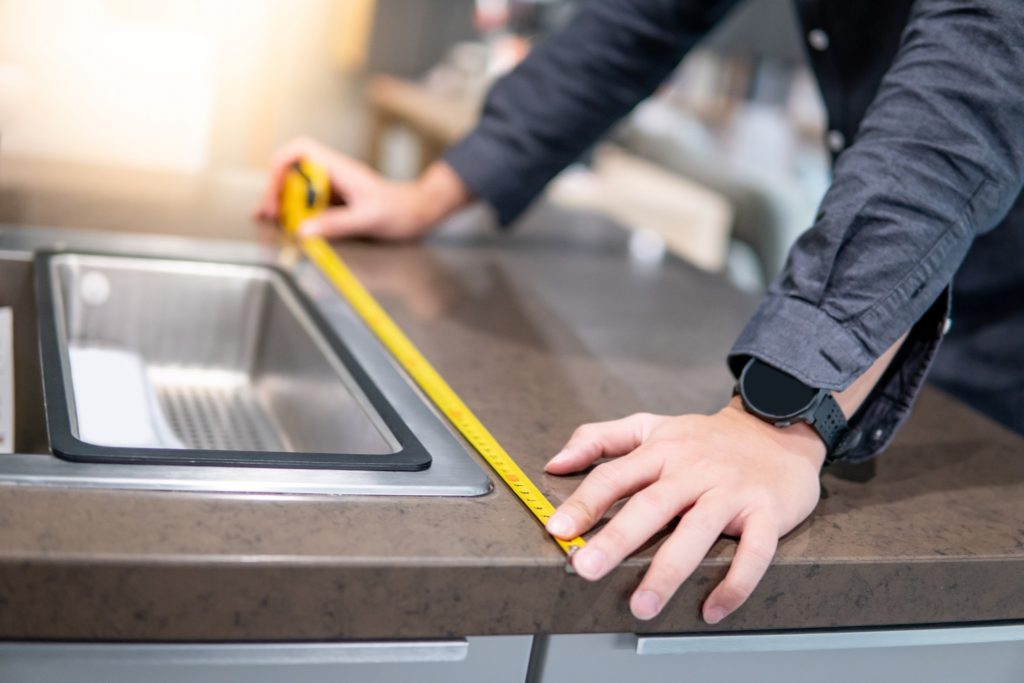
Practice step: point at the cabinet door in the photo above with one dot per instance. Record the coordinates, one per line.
(498, 659)
(980, 654)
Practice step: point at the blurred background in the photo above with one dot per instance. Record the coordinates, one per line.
(128, 110)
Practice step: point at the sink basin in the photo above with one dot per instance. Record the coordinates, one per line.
(377, 416)
(150, 360)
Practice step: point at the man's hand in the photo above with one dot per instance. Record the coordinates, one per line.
(725, 473)
(369, 205)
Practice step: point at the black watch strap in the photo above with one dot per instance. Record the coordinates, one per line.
(830, 423)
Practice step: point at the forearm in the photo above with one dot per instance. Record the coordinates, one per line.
(851, 398)
(439, 192)
(938, 160)
(570, 90)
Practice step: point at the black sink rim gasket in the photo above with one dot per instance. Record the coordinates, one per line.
(411, 457)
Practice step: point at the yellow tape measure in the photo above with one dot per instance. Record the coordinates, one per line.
(305, 193)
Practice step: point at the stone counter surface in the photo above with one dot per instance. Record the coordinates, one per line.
(538, 332)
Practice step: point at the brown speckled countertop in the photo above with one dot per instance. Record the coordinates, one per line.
(538, 332)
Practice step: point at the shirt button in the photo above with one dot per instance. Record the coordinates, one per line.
(877, 435)
(818, 39)
(945, 326)
(836, 141)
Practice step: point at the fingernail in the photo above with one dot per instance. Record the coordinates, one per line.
(589, 563)
(558, 457)
(713, 615)
(307, 228)
(560, 524)
(646, 605)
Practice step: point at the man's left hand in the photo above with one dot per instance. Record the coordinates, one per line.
(725, 473)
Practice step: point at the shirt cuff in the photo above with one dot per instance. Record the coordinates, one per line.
(802, 340)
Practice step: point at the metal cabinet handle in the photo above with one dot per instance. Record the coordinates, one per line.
(217, 654)
(826, 640)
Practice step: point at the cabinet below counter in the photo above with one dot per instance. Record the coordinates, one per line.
(988, 654)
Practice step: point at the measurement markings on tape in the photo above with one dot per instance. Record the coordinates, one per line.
(305, 193)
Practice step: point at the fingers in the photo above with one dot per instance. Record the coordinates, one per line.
(601, 439)
(675, 464)
(283, 159)
(644, 515)
(758, 542)
(599, 491)
(681, 553)
(300, 148)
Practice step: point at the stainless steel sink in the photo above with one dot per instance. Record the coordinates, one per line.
(302, 394)
(151, 360)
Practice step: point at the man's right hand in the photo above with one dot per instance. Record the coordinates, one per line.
(367, 204)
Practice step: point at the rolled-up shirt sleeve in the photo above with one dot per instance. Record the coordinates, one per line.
(938, 159)
(570, 90)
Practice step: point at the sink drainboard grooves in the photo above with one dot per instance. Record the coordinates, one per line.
(214, 410)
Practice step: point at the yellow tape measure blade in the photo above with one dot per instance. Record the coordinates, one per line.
(302, 198)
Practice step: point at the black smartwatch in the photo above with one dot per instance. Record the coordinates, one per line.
(781, 399)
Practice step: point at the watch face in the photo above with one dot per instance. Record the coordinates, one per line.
(774, 393)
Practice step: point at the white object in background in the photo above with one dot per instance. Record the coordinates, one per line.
(760, 141)
(6, 381)
(114, 401)
(692, 220)
(647, 246)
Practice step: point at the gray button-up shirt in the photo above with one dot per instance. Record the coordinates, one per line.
(928, 99)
